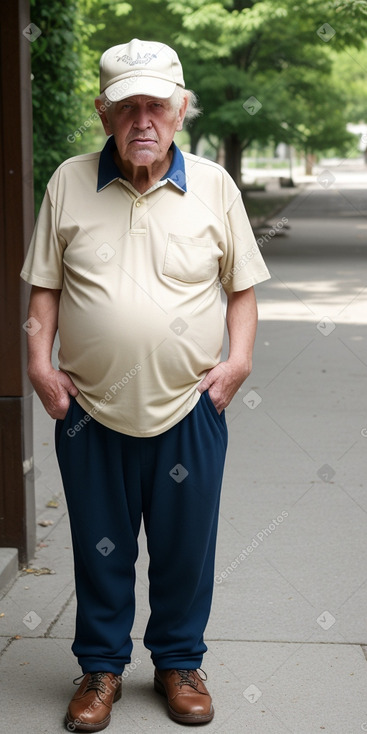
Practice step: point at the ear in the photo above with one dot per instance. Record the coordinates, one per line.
(181, 114)
(101, 109)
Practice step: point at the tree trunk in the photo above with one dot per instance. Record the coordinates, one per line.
(233, 156)
(194, 139)
(310, 160)
(220, 155)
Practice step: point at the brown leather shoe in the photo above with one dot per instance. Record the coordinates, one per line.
(188, 699)
(90, 708)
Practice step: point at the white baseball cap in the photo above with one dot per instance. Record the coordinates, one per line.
(140, 67)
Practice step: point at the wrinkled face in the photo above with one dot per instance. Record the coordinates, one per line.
(143, 128)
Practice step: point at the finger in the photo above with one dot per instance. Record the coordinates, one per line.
(58, 414)
(68, 384)
(62, 414)
(206, 383)
(62, 405)
(204, 386)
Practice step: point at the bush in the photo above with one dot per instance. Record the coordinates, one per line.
(55, 68)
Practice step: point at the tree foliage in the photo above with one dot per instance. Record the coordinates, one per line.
(349, 74)
(56, 65)
(277, 51)
(263, 69)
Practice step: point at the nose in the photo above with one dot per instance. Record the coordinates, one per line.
(142, 119)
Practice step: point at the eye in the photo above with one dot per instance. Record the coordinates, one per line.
(124, 106)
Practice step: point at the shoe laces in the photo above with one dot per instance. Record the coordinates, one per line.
(95, 683)
(187, 678)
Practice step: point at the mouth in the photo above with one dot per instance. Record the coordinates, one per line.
(143, 141)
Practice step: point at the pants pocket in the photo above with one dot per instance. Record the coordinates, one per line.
(220, 416)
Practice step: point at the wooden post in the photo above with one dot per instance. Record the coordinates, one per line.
(17, 501)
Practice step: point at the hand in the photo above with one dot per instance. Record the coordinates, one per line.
(223, 381)
(54, 388)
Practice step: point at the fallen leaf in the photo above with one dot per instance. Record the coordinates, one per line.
(53, 503)
(17, 637)
(2, 614)
(38, 571)
(45, 523)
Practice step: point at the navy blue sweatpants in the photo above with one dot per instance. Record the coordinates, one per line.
(173, 482)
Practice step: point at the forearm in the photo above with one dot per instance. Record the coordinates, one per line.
(242, 324)
(53, 386)
(226, 378)
(43, 312)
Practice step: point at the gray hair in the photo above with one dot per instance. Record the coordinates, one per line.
(193, 110)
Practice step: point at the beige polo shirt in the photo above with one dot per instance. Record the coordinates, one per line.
(141, 319)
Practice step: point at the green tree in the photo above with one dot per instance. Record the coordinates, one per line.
(316, 118)
(55, 69)
(253, 65)
(263, 70)
(64, 75)
(349, 73)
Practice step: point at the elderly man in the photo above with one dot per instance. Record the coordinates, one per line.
(127, 260)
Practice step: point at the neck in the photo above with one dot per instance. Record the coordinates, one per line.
(143, 177)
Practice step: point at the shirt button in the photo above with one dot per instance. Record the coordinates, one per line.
(137, 203)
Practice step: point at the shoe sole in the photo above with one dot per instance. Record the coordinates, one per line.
(72, 726)
(189, 719)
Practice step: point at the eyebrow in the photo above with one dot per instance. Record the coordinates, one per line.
(161, 100)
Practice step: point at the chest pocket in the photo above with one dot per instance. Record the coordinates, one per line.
(191, 259)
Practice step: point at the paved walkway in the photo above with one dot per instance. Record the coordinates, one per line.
(289, 618)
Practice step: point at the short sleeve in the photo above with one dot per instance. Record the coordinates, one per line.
(242, 265)
(43, 265)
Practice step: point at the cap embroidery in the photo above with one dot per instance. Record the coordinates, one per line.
(139, 59)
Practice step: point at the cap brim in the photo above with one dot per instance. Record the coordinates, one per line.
(134, 85)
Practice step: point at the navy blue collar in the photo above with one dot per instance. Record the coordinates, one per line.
(109, 171)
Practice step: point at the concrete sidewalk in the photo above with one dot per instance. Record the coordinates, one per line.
(288, 622)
